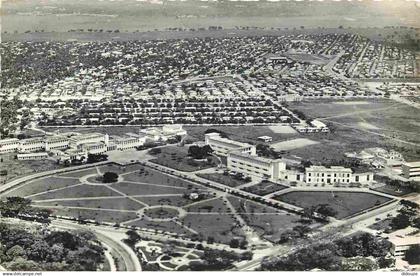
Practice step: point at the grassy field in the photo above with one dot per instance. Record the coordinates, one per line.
(248, 134)
(361, 124)
(177, 158)
(138, 187)
(221, 227)
(344, 203)
(269, 222)
(393, 190)
(16, 168)
(264, 188)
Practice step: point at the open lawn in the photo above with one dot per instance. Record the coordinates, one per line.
(40, 185)
(15, 168)
(264, 188)
(293, 144)
(282, 129)
(344, 203)
(393, 190)
(78, 191)
(222, 227)
(172, 200)
(118, 203)
(138, 187)
(357, 125)
(177, 158)
(269, 222)
(96, 215)
(146, 189)
(216, 205)
(248, 134)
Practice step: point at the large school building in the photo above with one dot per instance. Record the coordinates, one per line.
(242, 158)
(71, 146)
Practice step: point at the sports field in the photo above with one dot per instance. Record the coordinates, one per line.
(344, 203)
(359, 124)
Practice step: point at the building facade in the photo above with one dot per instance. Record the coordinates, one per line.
(247, 164)
(9, 145)
(223, 146)
(32, 156)
(411, 170)
(336, 175)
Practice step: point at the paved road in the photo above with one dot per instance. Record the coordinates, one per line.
(129, 258)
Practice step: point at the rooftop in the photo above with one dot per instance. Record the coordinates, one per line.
(413, 164)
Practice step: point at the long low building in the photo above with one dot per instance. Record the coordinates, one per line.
(73, 140)
(32, 156)
(9, 145)
(254, 165)
(223, 146)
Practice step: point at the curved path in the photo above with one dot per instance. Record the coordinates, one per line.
(130, 259)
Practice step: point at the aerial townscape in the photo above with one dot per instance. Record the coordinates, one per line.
(220, 135)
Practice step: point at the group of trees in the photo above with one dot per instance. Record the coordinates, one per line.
(267, 151)
(407, 216)
(8, 115)
(18, 207)
(109, 177)
(319, 211)
(217, 260)
(412, 255)
(93, 158)
(35, 249)
(350, 253)
(198, 152)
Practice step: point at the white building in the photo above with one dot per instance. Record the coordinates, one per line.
(401, 240)
(56, 142)
(77, 140)
(254, 165)
(411, 170)
(94, 148)
(9, 145)
(265, 139)
(32, 144)
(223, 146)
(336, 174)
(32, 156)
(163, 133)
(129, 142)
(313, 127)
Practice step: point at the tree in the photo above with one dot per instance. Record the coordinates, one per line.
(109, 177)
(21, 264)
(409, 204)
(198, 152)
(234, 243)
(325, 210)
(155, 151)
(133, 237)
(302, 230)
(14, 252)
(412, 255)
(401, 221)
